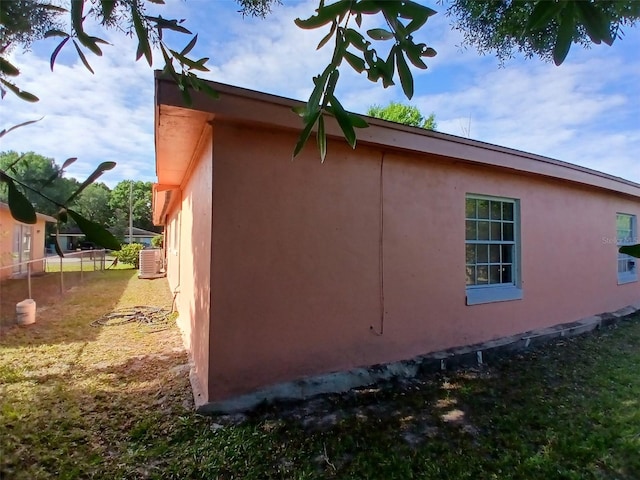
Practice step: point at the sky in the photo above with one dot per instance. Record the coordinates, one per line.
(587, 111)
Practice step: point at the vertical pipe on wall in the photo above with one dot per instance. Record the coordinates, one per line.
(380, 330)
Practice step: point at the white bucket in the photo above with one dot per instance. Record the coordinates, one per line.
(26, 312)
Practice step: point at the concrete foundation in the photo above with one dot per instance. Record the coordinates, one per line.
(450, 359)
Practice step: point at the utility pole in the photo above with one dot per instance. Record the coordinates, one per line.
(131, 212)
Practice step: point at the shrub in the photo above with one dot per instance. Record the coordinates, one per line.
(156, 242)
(130, 254)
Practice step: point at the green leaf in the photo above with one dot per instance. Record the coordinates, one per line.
(595, 23)
(190, 45)
(632, 250)
(414, 52)
(419, 14)
(565, 36)
(29, 97)
(299, 110)
(103, 167)
(406, 79)
(54, 55)
(344, 120)
(196, 65)
(144, 48)
(306, 131)
(95, 232)
(107, 9)
(542, 14)
(328, 36)
(324, 15)
(357, 121)
(380, 34)
(82, 57)
(321, 139)
(62, 215)
(163, 23)
(356, 39)
(208, 89)
(77, 7)
(7, 68)
(429, 52)
(56, 33)
(356, 63)
(368, 7)
(56, 244)
(91, 43)
(387, 68)
(5, 130)
(20, 207)
(68, 162)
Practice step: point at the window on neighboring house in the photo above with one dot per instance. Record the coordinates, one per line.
(492, 249)
(626, 235)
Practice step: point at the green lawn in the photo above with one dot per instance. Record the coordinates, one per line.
(114, 402)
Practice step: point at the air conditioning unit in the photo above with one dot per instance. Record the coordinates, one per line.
(151, 263)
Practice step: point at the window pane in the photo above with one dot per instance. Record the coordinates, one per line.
(507, 211)
(507, 232)
(496, 234)
(483, 230)
(494, 274)
(483, 208)
(482, 253)
(507, 274)
(471, 275)
(483, 275)
(471, 254)
(494, 253)
(496, 210)
(507, 253)
(471, 230)
(470, 208)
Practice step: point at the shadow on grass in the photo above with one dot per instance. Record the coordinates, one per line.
(61, 319)
(82, 422)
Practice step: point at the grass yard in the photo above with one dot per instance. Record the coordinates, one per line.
(114, 402)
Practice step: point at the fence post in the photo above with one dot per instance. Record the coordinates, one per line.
(61, 278)
(81, 263)
(29, 279)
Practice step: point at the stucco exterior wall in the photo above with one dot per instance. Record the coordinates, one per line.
(189, 258)
(7, 224)
(360, 260)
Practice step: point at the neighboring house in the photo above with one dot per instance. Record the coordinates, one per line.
(72, 238)
(140, 235)
(20, 243)
(414, 242)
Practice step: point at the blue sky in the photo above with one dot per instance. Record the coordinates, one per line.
(586, 112)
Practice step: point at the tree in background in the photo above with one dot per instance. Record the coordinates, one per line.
(43, 174)
(140, 203)
(94, 203)
(403, 113)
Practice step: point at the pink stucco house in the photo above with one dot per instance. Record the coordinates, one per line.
(21, 243)
(287, 273)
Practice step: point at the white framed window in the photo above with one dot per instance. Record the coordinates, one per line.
(626, 234)
(492, 249)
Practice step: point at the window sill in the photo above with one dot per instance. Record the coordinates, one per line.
(622, 279)
(477, 296)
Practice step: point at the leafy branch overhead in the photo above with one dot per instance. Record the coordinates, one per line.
(401, 20)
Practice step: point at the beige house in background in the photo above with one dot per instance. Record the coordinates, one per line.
(20, 242)
(415, 242)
